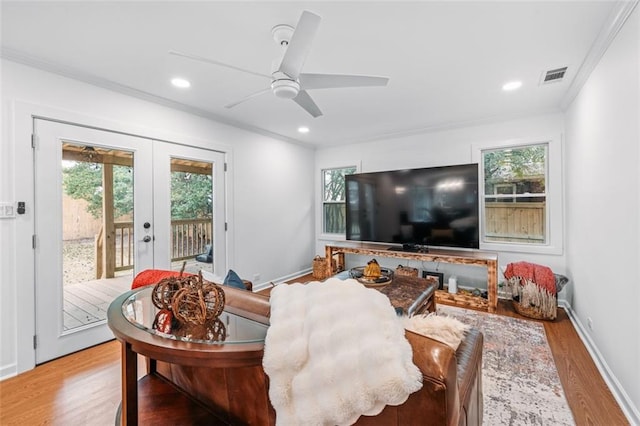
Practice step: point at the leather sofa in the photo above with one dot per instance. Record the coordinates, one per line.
(451, 393)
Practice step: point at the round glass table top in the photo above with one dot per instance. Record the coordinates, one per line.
(230, 328)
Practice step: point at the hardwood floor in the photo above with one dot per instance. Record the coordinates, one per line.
(79, 389)
(588, 396)
(84, 388)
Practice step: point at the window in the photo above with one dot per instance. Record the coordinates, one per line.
(333, 199)
(515, 194)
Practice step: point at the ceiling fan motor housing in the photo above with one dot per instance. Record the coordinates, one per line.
(285, 88)
(282, 34)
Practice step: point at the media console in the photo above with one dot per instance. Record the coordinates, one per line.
(460, 257)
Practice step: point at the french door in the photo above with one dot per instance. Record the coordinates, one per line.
(108, 205)
(191, 181)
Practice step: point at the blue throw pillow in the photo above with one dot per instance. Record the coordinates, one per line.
(233, 280)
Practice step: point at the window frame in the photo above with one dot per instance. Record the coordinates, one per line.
(554, 196)
(322, 202)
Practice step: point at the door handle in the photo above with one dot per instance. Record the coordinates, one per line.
(146, 238)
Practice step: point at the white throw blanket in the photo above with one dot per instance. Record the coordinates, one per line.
(334, 351)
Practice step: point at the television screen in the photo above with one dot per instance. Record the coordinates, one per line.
(435, 206)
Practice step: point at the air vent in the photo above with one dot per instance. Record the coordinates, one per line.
(554, 76)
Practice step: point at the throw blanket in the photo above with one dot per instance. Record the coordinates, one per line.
(533, 287)
(541, 276)
(334, 351)
(442, 328)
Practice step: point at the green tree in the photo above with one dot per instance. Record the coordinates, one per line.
(191, 196)
(514, 163)
(84, 181)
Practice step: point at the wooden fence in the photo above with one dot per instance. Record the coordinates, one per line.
(515, 222)
(77, 222)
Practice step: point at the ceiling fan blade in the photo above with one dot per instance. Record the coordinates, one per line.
(304, 100)
(246, 98)
(214, 62)
(300, 44)
(331, 81)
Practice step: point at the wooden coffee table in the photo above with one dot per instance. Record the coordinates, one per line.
(411, 295)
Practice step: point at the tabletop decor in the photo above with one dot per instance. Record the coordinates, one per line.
(189, 307)
(372, 274)
(407, 271)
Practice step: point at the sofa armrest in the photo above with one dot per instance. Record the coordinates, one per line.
(439, 396)
(246, 303)
(469, 356)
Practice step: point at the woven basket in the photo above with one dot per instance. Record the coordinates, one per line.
(532, 312)
(406, 271)
(320, 271)
(532, 302)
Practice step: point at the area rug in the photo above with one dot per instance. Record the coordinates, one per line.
(520, 382)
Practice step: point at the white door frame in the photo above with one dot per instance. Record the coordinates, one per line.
(24, 285)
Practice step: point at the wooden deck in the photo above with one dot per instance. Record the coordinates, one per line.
(87, 302)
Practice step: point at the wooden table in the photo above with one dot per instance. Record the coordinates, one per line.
(130, 317)
(410, 295)
(461, 257)
(414, 295)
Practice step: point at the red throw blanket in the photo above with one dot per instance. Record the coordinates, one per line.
(153, 276)
(542, 276)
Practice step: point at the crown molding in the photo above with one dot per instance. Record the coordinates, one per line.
(75, 74)
(615, 21)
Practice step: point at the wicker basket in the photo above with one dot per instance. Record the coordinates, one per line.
(533, 312)
(406, 271)
(536, 309)
(320, 271)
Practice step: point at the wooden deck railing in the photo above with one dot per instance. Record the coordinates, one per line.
(124, 245)
(189, 238)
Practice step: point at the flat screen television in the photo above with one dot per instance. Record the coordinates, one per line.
(436, 206)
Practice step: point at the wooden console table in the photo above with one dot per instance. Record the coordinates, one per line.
(460, 257)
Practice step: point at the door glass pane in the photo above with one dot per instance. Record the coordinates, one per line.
(191, 215)
(97, 231)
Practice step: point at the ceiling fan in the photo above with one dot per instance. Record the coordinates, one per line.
(287, 80)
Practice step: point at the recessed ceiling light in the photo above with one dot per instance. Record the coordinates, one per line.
(303, 129)
(180, 82)
(512, 85)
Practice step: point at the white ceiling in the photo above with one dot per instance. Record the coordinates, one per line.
(446, 61)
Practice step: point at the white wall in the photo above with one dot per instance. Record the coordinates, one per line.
(603, 209)
(270, 195)
(439, 149)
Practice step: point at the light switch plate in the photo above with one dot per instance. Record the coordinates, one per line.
(7, 210)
